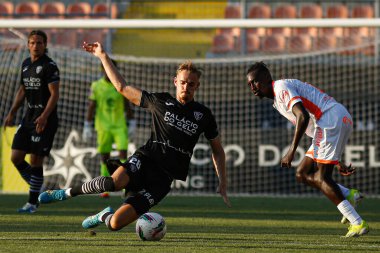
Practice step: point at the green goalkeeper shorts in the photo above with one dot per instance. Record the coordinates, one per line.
(105, 139)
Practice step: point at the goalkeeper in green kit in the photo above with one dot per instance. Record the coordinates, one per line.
(110, 109)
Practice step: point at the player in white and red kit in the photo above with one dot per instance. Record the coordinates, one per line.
(325, 120)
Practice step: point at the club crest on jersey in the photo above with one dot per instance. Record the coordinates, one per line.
(38, 69)
(198, 115)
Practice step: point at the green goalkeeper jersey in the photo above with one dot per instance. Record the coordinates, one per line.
(109, 112)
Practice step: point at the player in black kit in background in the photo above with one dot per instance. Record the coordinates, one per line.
(177, 124)
(35, 135)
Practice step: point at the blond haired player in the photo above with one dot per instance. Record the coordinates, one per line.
(325, 120)
(177, 123)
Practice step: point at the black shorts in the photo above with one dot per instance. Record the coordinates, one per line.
(148, 183)
(27, 139)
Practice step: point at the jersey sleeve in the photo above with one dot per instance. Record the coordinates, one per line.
(211, 130)
(286, 96)
(52, 72)
(148, 99)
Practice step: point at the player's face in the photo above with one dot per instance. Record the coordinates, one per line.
(255, 86)
(187, 83)
(36, 46)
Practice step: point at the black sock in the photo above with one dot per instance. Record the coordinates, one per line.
(25, 170)
(36, 181)
(95, 185)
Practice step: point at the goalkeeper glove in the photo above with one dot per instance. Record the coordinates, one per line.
(131, 129)
(87, 131)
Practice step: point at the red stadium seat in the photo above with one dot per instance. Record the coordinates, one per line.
(68, 38)
(352, 41)
(259, 11)
(362, 11)
(325, 42)
(310, 11)
(104, 10)
(27, 10)
(94, 35)
(273, 44)
(53, 10)
(300, 43)
(6, 10)
(335, 11)
(253, 43)
(284, 11)
(233, 12)
(223, 43)
(78, 10)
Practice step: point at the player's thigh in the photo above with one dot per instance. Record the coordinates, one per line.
(332, 134)
(306, 166)
(120, 136)
(22, 139)
(153, 186)
(120, 178)
(123, 216)
(104, 140)
(43, 142)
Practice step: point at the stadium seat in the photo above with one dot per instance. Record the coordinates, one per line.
(232, 12)
(300, 43)
(352, 41)
(103, 10)
(68, 38)
(335, 11)
(259, 11)
(362, 11)
(325, 42)
(223, 43)
(6, 10)
(275, 43)
(53, 10)
(253, 43)
(78, 10)
(310, 11)
(94, 35)
(284, 11)
(27, 10)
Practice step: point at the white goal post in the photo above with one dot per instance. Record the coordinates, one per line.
(185, 23)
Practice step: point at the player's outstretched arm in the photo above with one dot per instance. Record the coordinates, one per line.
(219, 159)
(133, 94)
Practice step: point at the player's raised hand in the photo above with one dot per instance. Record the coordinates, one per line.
(94, 48)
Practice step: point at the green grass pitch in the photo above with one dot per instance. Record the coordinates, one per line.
(194, 224)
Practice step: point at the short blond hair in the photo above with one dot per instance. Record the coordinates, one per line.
(189, 66)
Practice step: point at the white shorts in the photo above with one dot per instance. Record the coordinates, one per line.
(331, 135)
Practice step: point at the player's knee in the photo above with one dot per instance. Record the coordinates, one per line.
(113, 225)
(300, 177)
(16, 160)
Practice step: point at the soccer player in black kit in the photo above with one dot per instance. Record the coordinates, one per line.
(177, 124)
(35, 135)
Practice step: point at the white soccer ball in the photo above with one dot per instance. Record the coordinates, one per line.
(151, 227)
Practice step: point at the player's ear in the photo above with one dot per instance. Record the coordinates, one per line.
(175, 81)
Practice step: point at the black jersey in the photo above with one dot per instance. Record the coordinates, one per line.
(175, 131)
(35, 77)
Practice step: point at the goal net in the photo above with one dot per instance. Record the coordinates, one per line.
(254, 135)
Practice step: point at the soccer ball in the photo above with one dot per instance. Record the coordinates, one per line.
(151, 227)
